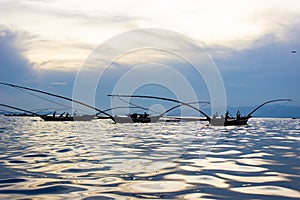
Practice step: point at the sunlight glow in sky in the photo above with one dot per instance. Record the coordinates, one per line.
(61, 33)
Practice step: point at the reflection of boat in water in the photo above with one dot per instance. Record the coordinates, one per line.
(137, 118)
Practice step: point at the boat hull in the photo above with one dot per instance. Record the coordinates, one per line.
(236, 122)
(126, 119)
(230, 122)
(76, 118)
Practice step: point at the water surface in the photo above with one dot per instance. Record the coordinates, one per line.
(101, 160)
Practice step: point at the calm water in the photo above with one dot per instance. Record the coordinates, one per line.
(101, 160)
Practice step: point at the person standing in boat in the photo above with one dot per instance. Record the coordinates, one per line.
(145, 115)
(238, 115)
(61, 115)
(226, 115)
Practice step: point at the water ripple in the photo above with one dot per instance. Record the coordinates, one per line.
(101, 160)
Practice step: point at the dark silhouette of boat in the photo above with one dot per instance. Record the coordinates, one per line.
(20, 115)
(147, 118)
(53, 117)
(137, 118)
(215, 120)
(243, 120)
(223, 121)
(69, 118)
(156, 118)
(61, 97)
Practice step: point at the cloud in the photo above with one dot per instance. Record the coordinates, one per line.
(265, 71)
(13, 65)
(65, 36)
(250, 41)
(68, 30)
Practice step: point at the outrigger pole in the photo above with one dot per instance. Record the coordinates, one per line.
(59, 96)
(20, 109)
(206, 102)
(261, 105)
(162, 98)
(109, 109)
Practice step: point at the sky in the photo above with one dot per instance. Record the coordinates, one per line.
(44, 44)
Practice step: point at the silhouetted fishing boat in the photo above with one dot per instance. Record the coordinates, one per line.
(61, 97)
(243, 120)
(215, 120)
(225, 121)
(116, 119)
(54, 117)
(137, 118)
(20, 115)
(145, 117)
(69, 118)
(156, 118)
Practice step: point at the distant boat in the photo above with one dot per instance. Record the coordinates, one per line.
(68, 118)
(54, 117)
(58, 96)
(20, 115)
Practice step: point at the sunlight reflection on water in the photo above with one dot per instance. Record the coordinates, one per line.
(166, 161)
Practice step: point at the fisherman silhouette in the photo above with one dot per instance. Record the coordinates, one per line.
(145, 115)
(61, 115)
(238, 114)
(226, 115)
(134, 116)
(222, 117)
(54, 113)
(215, 115)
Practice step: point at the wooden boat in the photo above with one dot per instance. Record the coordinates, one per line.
(54, 117)
(58, 96)
(137, 118)
(236, 121)
(156, 118)
(69, 118)
(20, 115)
(216, 121)
(115, 119)
(146, 118)
(227, 121)
(239, 120)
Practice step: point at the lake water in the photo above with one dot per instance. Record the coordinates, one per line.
(101, 160)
